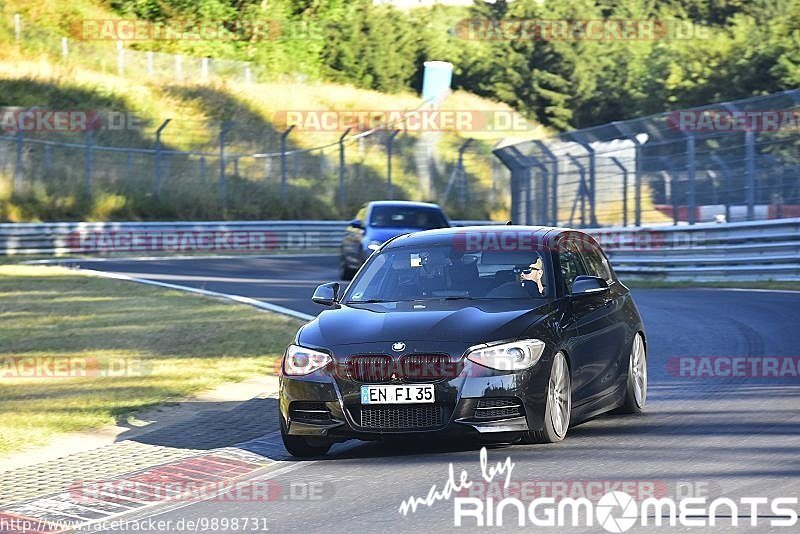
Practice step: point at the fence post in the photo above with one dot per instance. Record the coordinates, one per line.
(673, 187)
(18, 170)
(64, 47)
(690, 170)
(389, 143)
(581, 192)
(223, 185)
(284, 185)
(149, 61)
(591, 188)
(17, 27)
(158, 155)
(624, 170)
(750, 173)
(342, 171)
(89, 161)
(637, 177)
(179, 67)
(554, 184)
(204, 70)
(48, 157)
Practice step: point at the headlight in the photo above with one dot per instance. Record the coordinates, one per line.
(374, 245)
(302, 361)
(513, 356)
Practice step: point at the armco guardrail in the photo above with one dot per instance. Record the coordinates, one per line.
(173, 237)
(764, 250)
(735, 251)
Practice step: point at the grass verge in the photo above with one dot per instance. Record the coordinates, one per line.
(149, 346)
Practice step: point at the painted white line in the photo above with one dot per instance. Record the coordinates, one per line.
(235, 298)
(791, 291)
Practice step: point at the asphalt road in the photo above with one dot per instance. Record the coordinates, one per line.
(731, 437)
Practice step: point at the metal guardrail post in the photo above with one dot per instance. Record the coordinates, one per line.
(284, 186)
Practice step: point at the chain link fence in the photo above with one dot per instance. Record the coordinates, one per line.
(92, 175)
(730, 161)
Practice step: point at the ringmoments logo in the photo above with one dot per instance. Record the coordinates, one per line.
(615, 511)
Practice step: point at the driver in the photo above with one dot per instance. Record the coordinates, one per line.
(533, 273)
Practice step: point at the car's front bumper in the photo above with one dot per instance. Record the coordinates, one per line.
(325, 406)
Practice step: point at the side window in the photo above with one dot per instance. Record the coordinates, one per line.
(596, 263)
(571, 263)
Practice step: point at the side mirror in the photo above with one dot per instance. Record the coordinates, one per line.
(356, 223)
(583, 285)
(326, 294)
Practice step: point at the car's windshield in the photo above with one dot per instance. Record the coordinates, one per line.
(406, 217)
(444, 272)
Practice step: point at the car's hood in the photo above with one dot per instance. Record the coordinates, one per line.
(471, 322)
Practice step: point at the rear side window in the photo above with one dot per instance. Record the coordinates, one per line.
(406, 217)
(596, 263)
(571, 264)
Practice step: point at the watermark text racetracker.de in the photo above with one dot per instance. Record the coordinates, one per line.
(734, 366)
(615, 511)
(21, 120)
(190, 240)
(47, 367)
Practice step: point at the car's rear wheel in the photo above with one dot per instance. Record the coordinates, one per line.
(558, 408)
(300, 446)
(636, 389)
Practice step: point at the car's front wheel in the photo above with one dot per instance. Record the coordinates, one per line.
(558, 407)
(636, 389)
(300, 446)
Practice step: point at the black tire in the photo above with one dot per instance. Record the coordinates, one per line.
(345, 272)
(635, 401)
(301, 447)
(550, 434)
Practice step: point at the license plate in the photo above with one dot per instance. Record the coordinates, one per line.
(401, 394)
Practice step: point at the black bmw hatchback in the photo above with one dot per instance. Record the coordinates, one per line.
(507, 333)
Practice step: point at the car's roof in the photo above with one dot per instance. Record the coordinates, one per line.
(404, 204)
(543, 235)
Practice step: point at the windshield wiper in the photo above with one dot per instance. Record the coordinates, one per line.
(367, 301)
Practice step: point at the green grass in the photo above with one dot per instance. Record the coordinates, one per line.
(175, 345)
